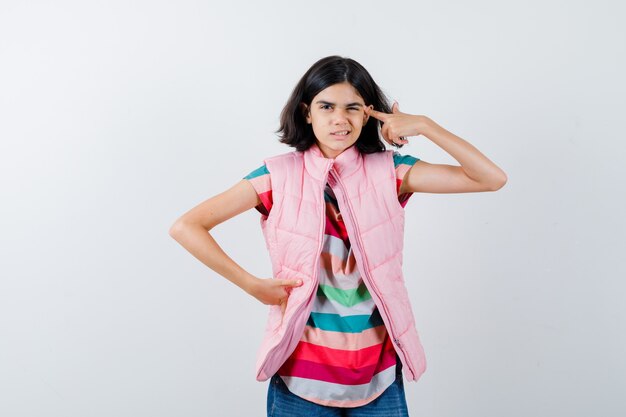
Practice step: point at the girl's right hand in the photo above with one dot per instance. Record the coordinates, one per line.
(273, 291)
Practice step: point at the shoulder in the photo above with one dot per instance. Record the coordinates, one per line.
(259, 172)
(283, 164)
(268, 163)
(382, 159)
(262, 183)
(283, 157)
(401, 163)
(399, 159)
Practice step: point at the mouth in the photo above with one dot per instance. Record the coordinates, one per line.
(341, 133)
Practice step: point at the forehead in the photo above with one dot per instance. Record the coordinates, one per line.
(339, 93)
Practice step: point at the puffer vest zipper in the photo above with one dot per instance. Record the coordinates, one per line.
(365, 187)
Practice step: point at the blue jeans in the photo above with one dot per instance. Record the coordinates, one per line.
(283, 403)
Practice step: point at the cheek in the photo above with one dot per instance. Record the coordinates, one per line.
(358, 122)
(318, 119)
(318, 127)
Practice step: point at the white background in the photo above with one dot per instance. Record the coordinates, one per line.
(118, 116)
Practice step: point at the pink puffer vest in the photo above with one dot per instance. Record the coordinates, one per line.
(365, 187)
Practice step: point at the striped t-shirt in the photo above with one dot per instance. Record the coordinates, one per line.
(345, 357)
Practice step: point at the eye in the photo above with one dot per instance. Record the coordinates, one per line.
(325, 107)
(353, 108)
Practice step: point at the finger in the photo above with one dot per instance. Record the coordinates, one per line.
(376, 114)
(291, 283)
(395, 136)
(386, 135)
(391, 134)
(384, 131)
(283, 307)
(395, 108)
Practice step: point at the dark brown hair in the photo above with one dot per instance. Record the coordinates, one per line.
(296, 132)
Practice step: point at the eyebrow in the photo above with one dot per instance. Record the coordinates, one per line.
(355, 104)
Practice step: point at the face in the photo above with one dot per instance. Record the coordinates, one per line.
(337, 116)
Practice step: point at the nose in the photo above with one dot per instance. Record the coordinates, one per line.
(340, 116)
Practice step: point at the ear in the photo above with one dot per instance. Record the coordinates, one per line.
(306, 112)
(366, 116)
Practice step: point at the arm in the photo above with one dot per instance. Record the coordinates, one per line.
(191, 230)
(475, 173)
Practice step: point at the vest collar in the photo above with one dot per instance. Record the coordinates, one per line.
(346, 163)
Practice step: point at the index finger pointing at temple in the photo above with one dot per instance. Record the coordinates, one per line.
(376, 114)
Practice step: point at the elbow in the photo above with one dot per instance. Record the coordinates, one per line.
(176, 230)
(179, 229)
(182, 227)
(499, 182)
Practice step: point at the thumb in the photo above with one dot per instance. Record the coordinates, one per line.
(291, 282)
(395, 108)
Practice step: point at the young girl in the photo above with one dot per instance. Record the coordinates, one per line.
(340, 330)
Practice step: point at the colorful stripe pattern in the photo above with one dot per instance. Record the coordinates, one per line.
(345, 357)
(260, 180)
(403, 163)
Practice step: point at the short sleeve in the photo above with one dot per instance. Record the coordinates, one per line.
(403, 164)
(260, 180)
